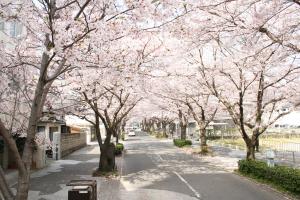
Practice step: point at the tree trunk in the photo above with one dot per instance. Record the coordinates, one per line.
(23, 185)
(257, 145)
(35, 114)
(107, 154)
(117, 138)
(250, 151)
(164, 130)
(203, 142)
(183, 131)
(4, 188)
(107, 158)
(15, 153)
(183, 125)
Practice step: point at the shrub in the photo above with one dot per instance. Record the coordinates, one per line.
(119, 148)
(282, 176)
(188, 142)
(181, 143)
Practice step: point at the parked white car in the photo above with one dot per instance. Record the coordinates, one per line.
(131, 133)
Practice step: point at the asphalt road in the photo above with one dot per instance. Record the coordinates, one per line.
(151, 169)
(155, 169)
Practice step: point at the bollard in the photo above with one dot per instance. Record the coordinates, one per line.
(294, 161)
(56, 152)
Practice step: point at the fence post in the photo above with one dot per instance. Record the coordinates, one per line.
(294, 161)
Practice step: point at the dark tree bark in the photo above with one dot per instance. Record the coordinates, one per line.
(183, 128)
(250, 152)
(182, 124)
(164, 129)
(24, 175)
(257, 145)
(107, 158)
(4, 187)
(203, 140)
(117, 138)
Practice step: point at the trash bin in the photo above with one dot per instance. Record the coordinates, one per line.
(82, 190)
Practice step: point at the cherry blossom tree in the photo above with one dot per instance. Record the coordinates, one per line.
(248, 59)
(115, 104)
(56, 33)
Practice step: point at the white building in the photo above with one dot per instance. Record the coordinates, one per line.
(291, 120)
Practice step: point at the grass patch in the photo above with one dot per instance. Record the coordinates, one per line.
(112, 174)
(182, 143)
(283, 178)
(207, 152)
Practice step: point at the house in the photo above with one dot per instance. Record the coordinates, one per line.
(58, 138)
(74, 121)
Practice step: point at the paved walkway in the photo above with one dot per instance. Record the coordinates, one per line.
(50, 182)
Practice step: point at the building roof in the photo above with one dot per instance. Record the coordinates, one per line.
(76, 121)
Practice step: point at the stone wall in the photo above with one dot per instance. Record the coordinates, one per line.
(72, 142)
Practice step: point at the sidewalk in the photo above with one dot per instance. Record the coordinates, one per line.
(50, 182)
(230, 155)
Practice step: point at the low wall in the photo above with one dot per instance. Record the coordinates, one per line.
(72, 142)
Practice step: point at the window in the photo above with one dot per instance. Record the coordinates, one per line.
(41, 129)
(15, 29)
(51, 131)
(65, 129)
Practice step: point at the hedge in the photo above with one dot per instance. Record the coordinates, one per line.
(181, 143)
(282, 176)
(119, 148)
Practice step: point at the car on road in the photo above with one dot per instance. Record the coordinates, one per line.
(131, 133)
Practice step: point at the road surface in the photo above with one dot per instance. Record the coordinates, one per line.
(158, 166)
(151, 169)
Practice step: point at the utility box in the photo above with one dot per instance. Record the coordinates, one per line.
(270, 155)
(82, 190)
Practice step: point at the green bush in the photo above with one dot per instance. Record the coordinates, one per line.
(119, 148)
(282, 176)
(188, 142)
(181, 143)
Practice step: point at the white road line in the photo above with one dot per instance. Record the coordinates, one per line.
(189, 186)
(160, 158)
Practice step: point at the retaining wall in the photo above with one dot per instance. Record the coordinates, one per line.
(72, 142)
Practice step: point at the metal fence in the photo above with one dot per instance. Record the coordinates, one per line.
(286, 153)
(281, 146)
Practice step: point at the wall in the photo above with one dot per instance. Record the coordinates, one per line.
(72, 142)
